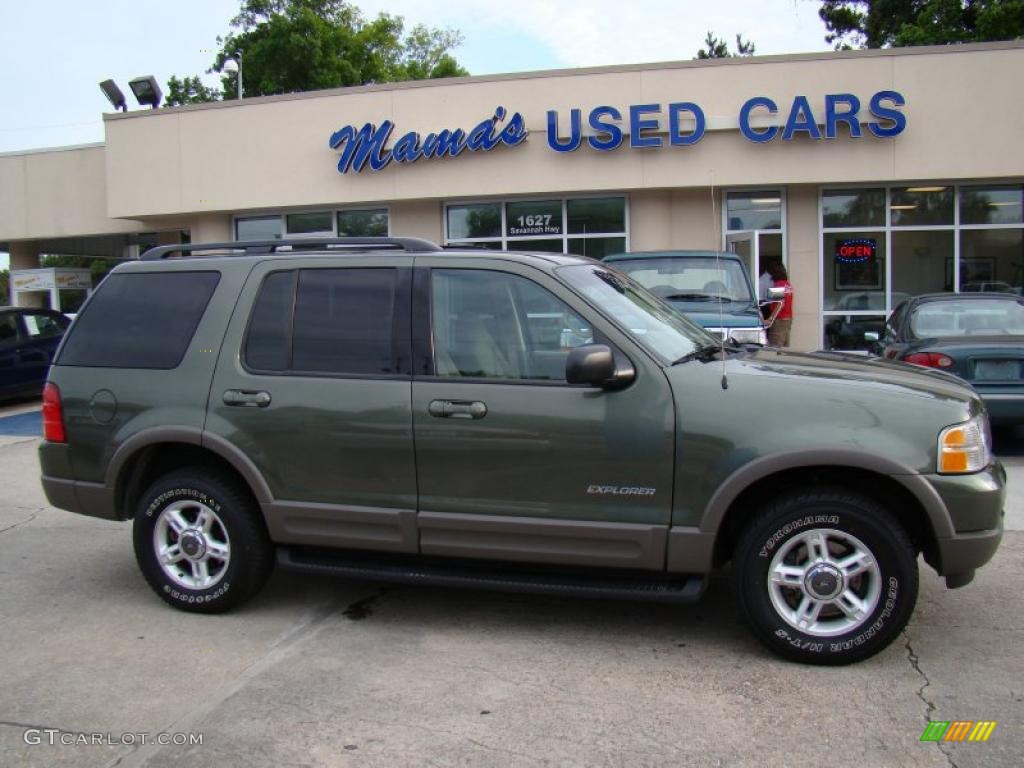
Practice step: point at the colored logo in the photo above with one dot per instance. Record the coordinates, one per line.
(958, 730)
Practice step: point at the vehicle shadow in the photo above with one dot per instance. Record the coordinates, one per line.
(713, 622)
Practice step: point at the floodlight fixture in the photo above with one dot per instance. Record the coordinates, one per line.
(233, 63)
(147, 91)
(114, 95)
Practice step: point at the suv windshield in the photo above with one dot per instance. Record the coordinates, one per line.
(691, 278)
(657, 327)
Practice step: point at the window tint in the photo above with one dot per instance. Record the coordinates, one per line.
(312, 223)
(140, 320)
(42, 326)
(496, 325)
(8, 329)
(268, 343)
(344, 321)
(372, 223)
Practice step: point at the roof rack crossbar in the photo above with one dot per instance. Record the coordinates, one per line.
(249, 247)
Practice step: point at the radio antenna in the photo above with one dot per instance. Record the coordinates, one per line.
(716, 228)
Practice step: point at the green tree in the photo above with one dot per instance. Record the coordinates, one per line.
(5, 286)
(289, 46)
(885, 23)
(188, 90)
(719, 49)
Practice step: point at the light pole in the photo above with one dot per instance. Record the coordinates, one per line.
(236, 60)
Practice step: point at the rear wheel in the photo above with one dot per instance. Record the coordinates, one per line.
(825, 576)
(200, 541)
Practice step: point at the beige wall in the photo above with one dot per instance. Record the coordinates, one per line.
(273, 152)
(56, 193)
(803, 264)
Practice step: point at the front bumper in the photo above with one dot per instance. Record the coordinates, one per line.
(974, 504)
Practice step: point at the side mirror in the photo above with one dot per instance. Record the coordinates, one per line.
(592, 364)
(776, 293)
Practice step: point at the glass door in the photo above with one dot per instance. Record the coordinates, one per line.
(745, 245)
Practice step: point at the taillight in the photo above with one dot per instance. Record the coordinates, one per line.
(53, 415)
(929, 359)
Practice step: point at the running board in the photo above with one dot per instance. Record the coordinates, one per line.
(626, 586)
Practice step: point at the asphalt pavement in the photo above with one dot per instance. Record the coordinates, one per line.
(320, 671)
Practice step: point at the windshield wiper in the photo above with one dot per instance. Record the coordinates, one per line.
(696, 296)
(705, 353)
(708, 351)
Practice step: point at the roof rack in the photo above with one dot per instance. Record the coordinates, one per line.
(298, 244)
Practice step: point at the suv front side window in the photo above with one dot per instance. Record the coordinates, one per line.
(494, 325)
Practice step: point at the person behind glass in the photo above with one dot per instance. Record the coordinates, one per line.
(778, 333)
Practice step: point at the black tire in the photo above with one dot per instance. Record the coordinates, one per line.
(845, 522)
(238, 523)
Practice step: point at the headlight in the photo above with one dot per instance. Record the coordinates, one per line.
(748, 336)
(965, 447)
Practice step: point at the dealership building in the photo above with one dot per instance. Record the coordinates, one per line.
(872, 175)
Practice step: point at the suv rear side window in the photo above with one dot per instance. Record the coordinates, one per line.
(343, 322)
(140, 320)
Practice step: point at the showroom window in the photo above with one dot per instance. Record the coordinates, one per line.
(586, 226)
(364, 222)
(882, 245)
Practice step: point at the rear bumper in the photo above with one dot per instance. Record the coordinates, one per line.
(92, 499)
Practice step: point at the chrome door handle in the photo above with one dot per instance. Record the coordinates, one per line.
(457, 409)
(239, 397)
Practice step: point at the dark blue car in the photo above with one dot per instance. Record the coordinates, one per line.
(28, 341)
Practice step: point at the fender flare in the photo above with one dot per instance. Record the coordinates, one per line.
(189, 436)
(750, 473)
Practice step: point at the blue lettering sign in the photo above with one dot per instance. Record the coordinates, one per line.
(359, 147)
(801, 118)
(833, 116)
(574, 132)
(637, 126)
(760, 135)
(368, 144)
(611, 130)
(897, 120)
(675, 135)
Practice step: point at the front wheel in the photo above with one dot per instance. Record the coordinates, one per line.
(200, 541)
(825, 576)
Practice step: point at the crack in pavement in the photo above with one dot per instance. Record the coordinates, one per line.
(29, 519)
(930, 707)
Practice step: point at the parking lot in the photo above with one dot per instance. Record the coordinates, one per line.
(317, 671)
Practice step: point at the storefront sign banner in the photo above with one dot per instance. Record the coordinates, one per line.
(644, 124)
(369, 143)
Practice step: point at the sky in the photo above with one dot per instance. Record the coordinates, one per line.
(55, 53)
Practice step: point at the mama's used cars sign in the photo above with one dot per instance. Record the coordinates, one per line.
(680, 123)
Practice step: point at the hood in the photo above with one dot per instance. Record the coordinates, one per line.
(733, 315)
(846, 369)
(777, 402)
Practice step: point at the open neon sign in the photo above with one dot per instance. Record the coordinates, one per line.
(858, 251)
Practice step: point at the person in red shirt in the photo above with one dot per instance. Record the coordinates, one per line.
(778, 333)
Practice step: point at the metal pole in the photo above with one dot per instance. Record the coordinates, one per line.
(239, 55)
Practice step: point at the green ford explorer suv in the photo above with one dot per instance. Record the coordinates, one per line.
(386, 409)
